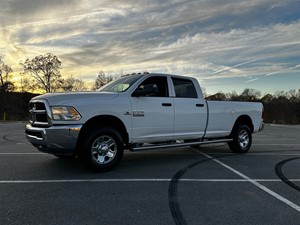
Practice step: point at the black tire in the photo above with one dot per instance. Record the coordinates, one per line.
(242, 139)
(102, 149)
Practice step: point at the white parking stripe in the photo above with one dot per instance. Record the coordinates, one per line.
(134, 180)
(256, 154)
(175, 153)
(267, 190)
(278, 144)
(23, 153)
(270, 139)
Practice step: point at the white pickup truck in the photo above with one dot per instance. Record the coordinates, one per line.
(138, 112)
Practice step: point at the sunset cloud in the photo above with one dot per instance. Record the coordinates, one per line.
(218, 42)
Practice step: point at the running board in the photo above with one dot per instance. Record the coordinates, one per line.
(176, 145)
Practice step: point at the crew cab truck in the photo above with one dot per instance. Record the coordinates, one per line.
(137, 112)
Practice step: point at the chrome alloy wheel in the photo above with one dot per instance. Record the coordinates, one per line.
(244, 139)
(104, 149)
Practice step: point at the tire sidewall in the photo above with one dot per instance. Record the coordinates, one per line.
(235, 144)
(86, 151)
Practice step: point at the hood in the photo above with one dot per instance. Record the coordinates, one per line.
(67, 98)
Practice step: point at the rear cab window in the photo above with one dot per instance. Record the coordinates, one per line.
(184, 88)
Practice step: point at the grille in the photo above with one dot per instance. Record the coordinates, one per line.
(38, 114)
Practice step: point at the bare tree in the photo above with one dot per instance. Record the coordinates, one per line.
(5, 74)
(26, 85)
(73, 84)
(217, 97)
(250, 95)
(101, 80)
(45, 69)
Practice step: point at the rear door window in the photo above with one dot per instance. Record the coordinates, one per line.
(184, 88)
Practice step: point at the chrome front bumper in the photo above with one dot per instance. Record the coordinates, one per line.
(59, 140)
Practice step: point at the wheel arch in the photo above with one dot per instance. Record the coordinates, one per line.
(103, 121)
(243, 119)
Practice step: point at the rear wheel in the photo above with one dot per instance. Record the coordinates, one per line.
(242, 139)
(102, 149)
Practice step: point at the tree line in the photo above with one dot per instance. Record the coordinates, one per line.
(42, 73)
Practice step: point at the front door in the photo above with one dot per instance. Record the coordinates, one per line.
(152, 111)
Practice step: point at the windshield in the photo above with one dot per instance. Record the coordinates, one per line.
(121, 84)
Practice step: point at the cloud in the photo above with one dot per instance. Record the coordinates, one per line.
(28, 9)
(206, 39)
(252, 80)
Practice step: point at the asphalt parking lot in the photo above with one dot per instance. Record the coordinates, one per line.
(206, 185)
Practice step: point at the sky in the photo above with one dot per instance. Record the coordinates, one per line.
(227, 45)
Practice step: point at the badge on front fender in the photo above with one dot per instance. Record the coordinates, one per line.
(138, 113)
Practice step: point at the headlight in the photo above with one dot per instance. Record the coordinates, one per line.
(65, 113)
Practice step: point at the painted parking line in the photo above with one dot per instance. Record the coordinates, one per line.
(258, 154)
(252, 181)
(276, 144)
(287, 153)
(137, 180)
(23, 153)
(272, 139)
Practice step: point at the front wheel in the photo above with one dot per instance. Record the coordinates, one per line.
(102, 149)
(242, 139)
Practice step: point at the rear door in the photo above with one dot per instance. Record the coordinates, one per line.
(190, 110)
(152, 111)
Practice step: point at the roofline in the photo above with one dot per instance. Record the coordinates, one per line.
(159, 74)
